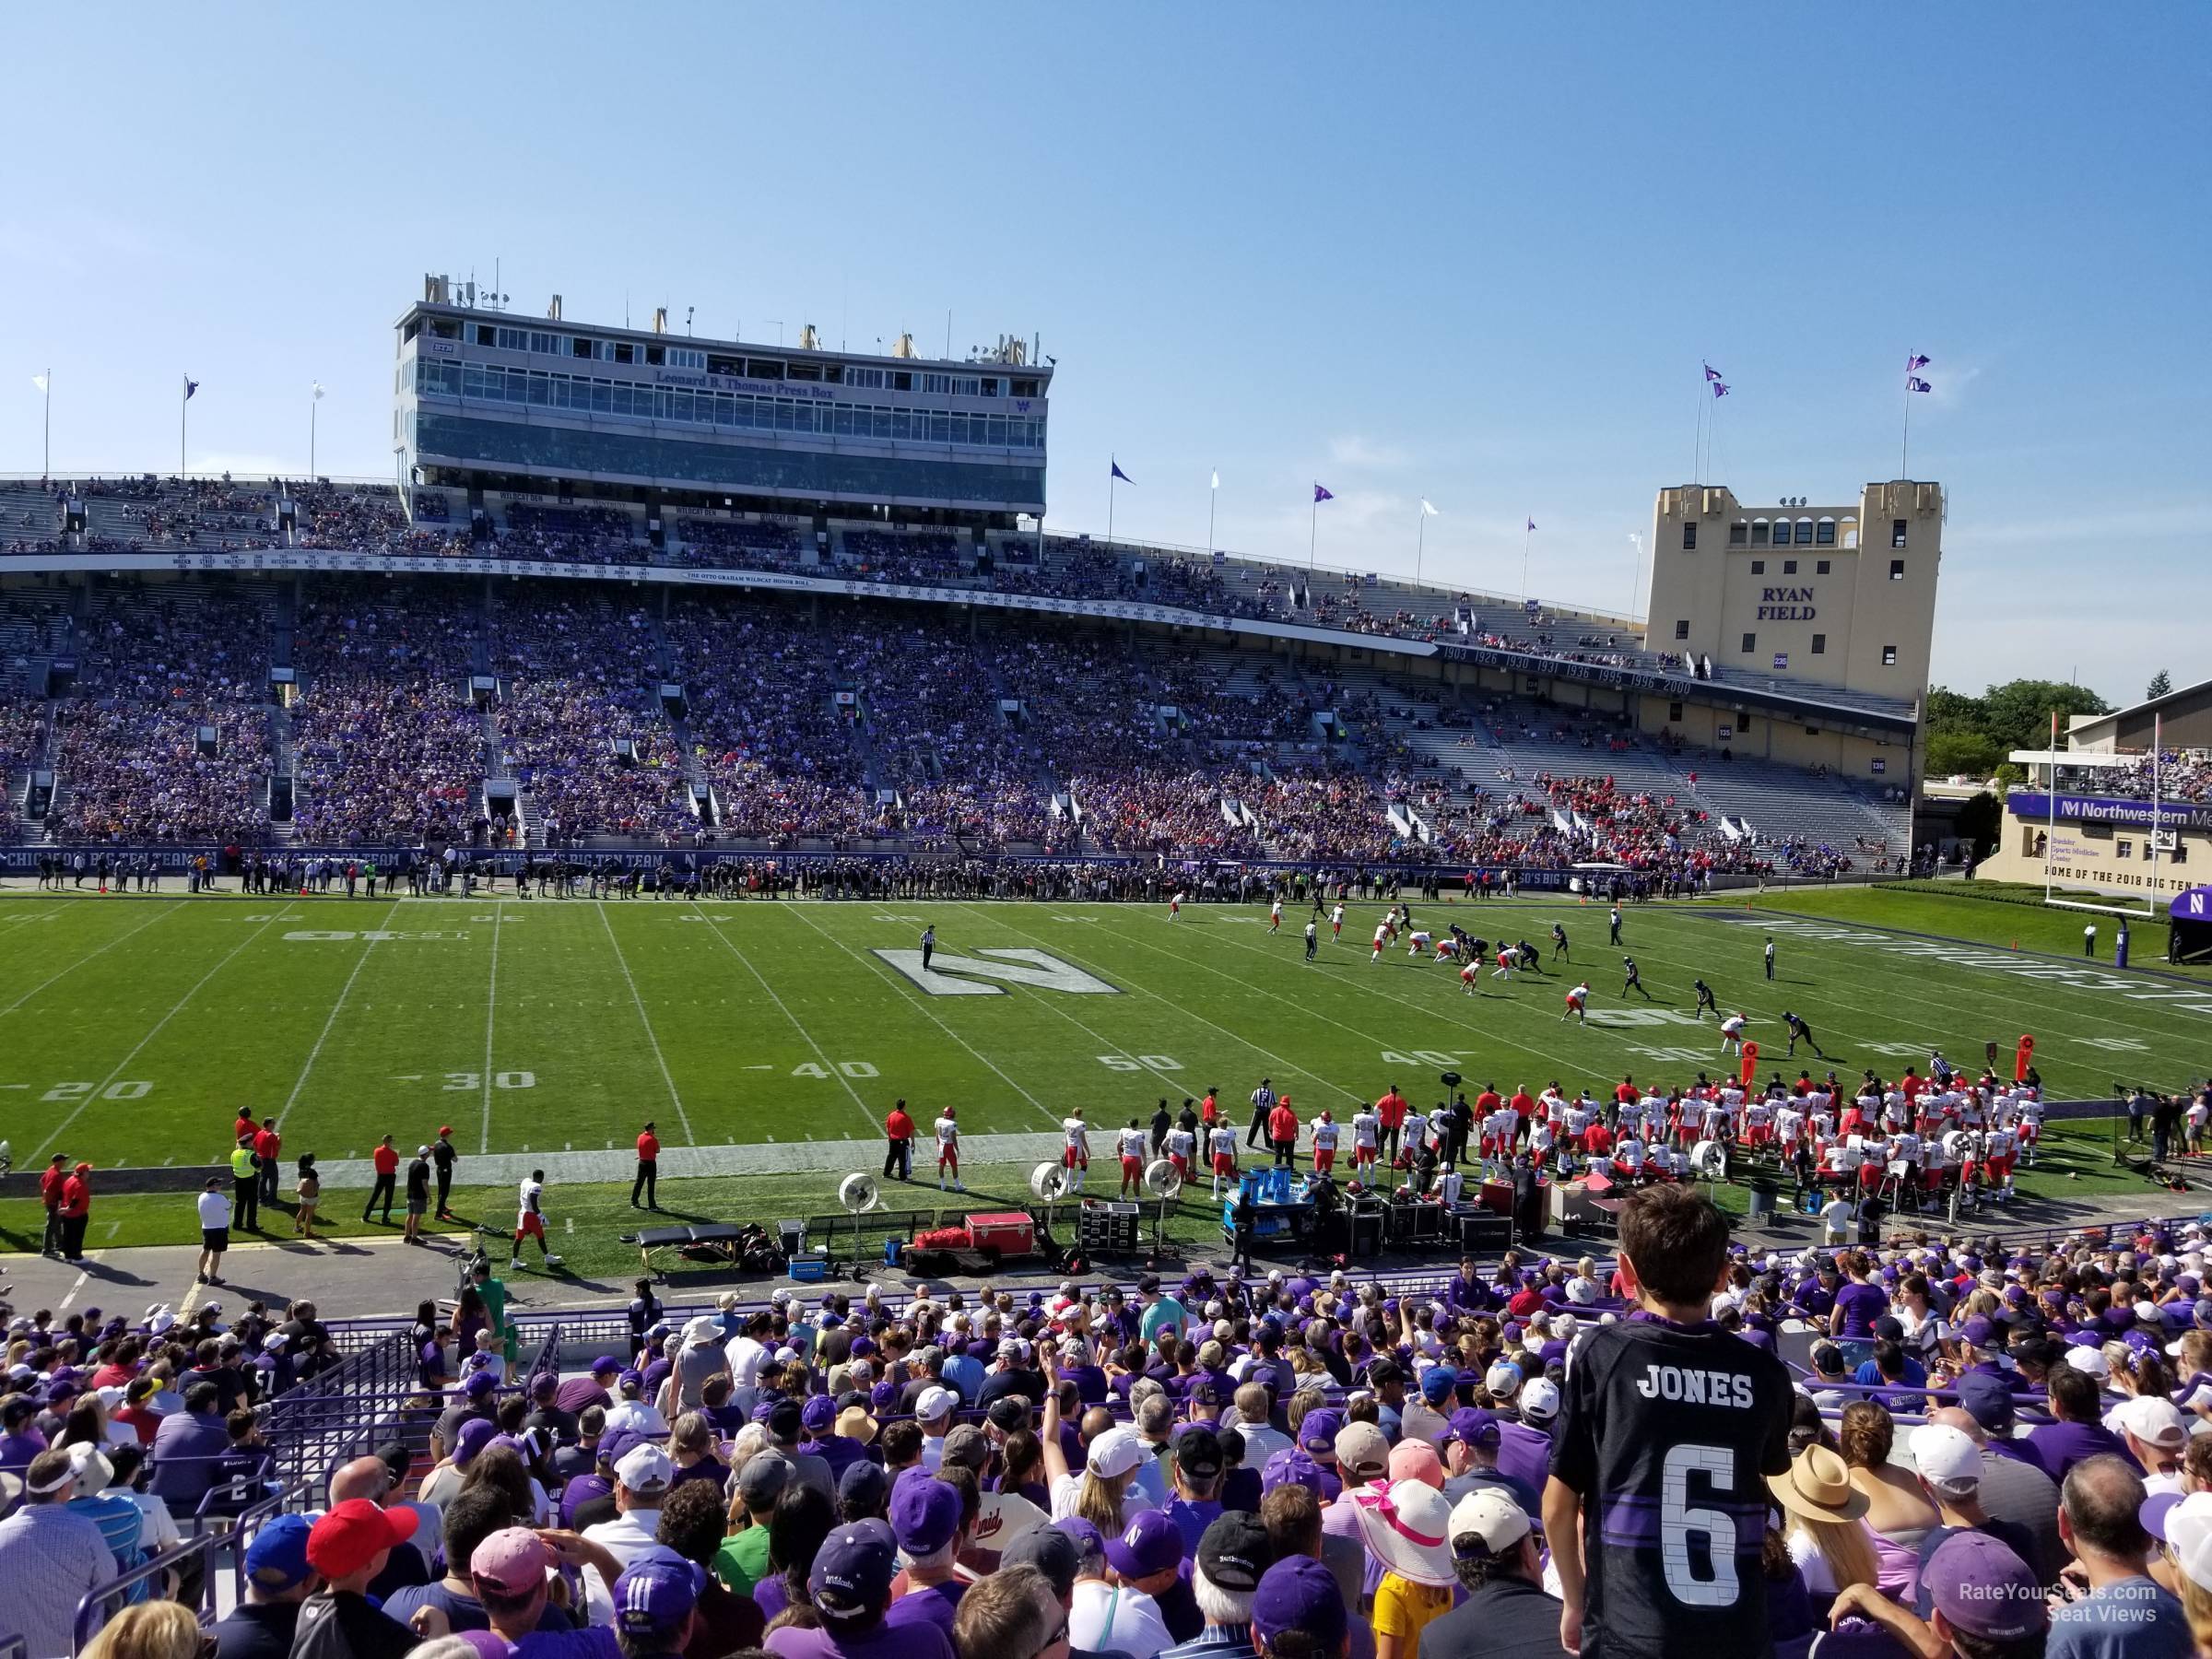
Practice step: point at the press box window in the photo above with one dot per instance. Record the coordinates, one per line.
(1682, 629)
(1738, 534)
(1897, 570)
(1789, 567)
(1820, 567)
(1897, 533)
(1674, 712)
(1689, 539)
(1819, 644)
(1759, 567)
(1750, 644)
(1889, 656)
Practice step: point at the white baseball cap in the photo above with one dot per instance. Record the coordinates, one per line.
(1116, 1452)
(1539, 1400)
(934, 1403)
(2153, 1420)
(1944, 1456)
(1502, 1378)
(645, 1468)
(2089, 1360)
(1490, 1514)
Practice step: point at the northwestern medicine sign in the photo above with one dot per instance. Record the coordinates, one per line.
(2106, 810)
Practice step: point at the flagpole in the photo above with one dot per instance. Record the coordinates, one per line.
(1312, 535)
(1697, 447)
(312, 404)
(47, 465)
(1524, 534)
(2157, 724)
(183, 412)
(2050, 800)
(1213, 496)
(1420, 536)
(1904, 448)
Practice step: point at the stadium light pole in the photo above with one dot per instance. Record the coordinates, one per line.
(1636, 580)
(314, 404)
(45, 383)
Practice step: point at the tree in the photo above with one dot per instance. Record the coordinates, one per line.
(1949, 710)
(2160, 683)
(1962, 753)
(2017, 714)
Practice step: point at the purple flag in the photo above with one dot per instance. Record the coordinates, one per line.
(1321, 495)
(1915, 383)
(191, 386)
(1915, 361)
(1118, 473)
(1720, 388)
(1712, 374)
(1532, 523)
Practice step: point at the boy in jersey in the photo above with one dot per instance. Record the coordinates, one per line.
(1631, 979)
(1800, 1032)
(1705, 1001)
(1275, 918)
(529, 1220)
(1666, 1415)
(1076, 1159)
(949, 1151)
(1325, 1131)
(1222, 1143)
(1732, 1034)
(1130, 1143)
(1578, 1002)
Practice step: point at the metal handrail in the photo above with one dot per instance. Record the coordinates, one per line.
(93, 1609)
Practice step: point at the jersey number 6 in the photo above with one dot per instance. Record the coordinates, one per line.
(1679, 1523)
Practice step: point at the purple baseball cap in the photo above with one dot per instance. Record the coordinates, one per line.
(479, 1383)
(655, 1594)
(1084, 1533)
(1317, 1432)
(818, 1413)
(1299, 1593)
(926, 1512)
(607, 1365)
(475, 1434)
(1979, 1584)
(1293, 1466)
(1152, 1543)
(1476, 1427)
(853, 1571)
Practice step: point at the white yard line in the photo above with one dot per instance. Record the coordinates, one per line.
(60, 1128)
(491, 1009)
(921, 1007)
(675, 1099)
(324, 1036)
(158, 912)
(805, 1035)
(1276, 1061)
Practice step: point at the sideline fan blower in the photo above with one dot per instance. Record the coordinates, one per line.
(1709, 1160)
(1164, 1181)
(856, 1194)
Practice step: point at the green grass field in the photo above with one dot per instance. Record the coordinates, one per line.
(132, 1028)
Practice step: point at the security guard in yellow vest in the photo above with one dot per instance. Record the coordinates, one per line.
(245, 1187)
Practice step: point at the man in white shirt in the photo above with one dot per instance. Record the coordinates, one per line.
(215, 1230)
(1839, 1216)
(641, 1481)
(1254, 1405)
(1076, 1159)
(746, 1353)
(1366, 1134)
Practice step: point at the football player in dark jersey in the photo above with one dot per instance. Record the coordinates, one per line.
(1669, 1427)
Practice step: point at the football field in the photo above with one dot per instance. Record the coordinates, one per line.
(132, 1030)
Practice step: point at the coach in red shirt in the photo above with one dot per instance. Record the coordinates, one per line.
(1391, 1110)
(649, 1171)
(898, 1144)
(76, 1212)
(51, 1180)
(1282, 1132)
(267, 1144)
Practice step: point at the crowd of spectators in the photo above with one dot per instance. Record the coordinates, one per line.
(568, 535)
(1991, 1452)
(2182, 775)
(737, 544)
(578, 680)
(389, 745)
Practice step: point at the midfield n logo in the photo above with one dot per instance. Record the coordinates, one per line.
(1031, 967)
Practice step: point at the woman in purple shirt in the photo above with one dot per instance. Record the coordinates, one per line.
(1858, 1303)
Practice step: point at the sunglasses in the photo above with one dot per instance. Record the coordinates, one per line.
(1059, 1639)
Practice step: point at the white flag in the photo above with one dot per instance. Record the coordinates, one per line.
(1216, 478)
(39, 381)
(318, 391)
(1427, 508)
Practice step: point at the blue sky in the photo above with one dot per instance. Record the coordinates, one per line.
(1446, 251)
